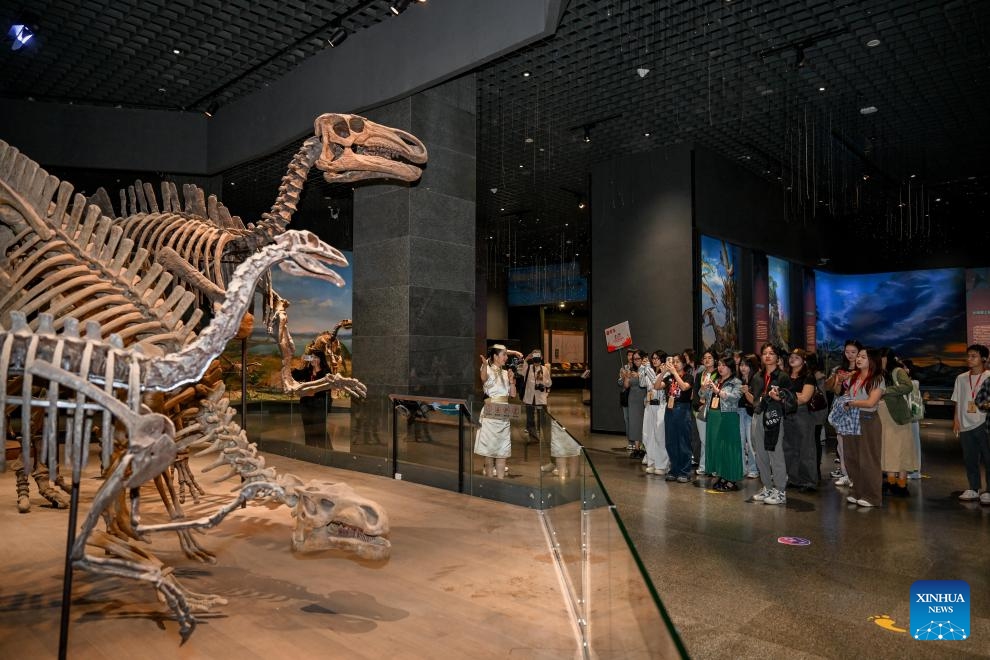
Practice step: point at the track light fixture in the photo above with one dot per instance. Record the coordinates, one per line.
(337, 37)
(587, 133)
(212, 108)
(399, 6)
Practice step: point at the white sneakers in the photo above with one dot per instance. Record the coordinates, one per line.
(775, 497)
(762, 495)
(843, 481)
(971, 495)
(864, 503)
(852, 500)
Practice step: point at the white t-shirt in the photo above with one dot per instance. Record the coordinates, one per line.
(966, 386)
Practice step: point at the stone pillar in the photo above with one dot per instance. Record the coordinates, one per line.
(414, 261)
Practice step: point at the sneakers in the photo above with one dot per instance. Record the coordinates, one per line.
(836, 473)
(762, 495)
(752, 475)
(852, 500)
(650, 469)
(776, 497)
(700, 471)
(682, 480)
(864, 503)
(843, 481)
(914, 475)
(549, 467)
(985, 497)
(969, 495)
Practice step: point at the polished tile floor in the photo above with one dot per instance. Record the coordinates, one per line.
(733, 591)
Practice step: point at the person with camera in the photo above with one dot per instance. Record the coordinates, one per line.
(314, 408)
(536, 387)
(494, 438)
(626, 374)
(656, 380)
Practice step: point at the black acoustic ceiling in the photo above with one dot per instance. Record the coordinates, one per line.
(779, 87)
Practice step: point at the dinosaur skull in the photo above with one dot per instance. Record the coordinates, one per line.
(355, 149)
(331, 516)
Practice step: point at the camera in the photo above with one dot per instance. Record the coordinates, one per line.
(536, 357)
(541, 387)
(513, 362)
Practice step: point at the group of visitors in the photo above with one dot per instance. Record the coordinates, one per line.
(739, 416)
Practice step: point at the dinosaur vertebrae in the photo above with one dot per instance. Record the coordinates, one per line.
(67, 260)
(205, 235)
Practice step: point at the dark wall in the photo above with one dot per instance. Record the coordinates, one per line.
(732, 203)
(641, 264)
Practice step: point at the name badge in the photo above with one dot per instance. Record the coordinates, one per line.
(715, 402)
(971, 407)
(670, 403)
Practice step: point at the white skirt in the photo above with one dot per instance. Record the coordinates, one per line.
(494, 439)
(562, 445)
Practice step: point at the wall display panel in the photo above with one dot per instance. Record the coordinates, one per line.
(546, 285)
(719, 294)
(920, 313)
(779, 302)
(978, 306)
(316, 306)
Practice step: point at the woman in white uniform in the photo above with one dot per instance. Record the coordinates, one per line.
(494, 439)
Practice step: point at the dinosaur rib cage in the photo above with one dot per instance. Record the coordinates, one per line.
(59, 256)
(200, 243)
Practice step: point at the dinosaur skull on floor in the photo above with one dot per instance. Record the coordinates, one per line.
(355, 149)
(331, 516)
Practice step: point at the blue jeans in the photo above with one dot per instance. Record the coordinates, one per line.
(679, 422)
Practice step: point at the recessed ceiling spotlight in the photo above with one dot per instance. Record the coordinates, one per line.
(528, 140)
(520, 166)
(21, 33)
(642, 72)
(913, 175)
(821, 89)
(502, 209)
(526, 74)
(873, 43)
(938, 199)
(868, 110)
(646, 134)
(176, 51)
(162, 90)
(580, 205)
(866, 177)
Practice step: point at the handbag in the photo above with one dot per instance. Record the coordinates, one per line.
(916, 402)
(818, 402)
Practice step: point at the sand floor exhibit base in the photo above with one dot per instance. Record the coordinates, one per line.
(467, 578)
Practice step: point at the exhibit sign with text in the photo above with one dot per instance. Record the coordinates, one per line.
(761, 294)
(978, 306)
(618, 336)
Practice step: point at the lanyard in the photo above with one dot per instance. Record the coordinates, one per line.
(766, 381)
(973, 388)
(855, 385)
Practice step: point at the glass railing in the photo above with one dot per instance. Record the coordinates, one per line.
(609, 592)
(434, 441)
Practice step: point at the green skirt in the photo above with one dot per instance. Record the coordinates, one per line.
(723, 445)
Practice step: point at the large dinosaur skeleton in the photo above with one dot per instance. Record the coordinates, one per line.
(62, 265)
(96, 371)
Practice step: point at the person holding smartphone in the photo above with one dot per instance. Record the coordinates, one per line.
(772, 393)
(838, 384)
